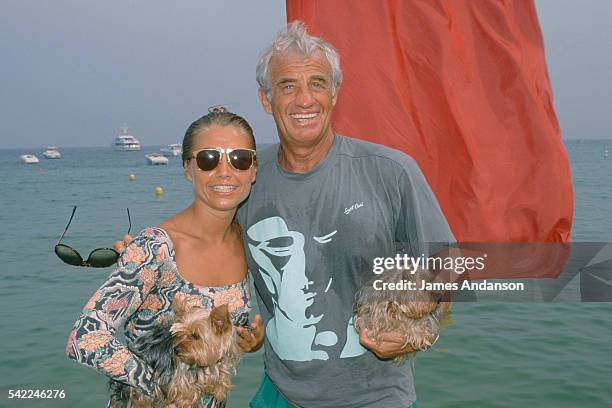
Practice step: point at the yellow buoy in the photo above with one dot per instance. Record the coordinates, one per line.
(132, 177)
(159, 191)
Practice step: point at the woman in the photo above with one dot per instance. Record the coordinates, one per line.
(197, 253)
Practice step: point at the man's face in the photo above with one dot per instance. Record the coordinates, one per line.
(301, 98)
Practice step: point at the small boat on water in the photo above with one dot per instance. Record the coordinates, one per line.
(52, 153)
(171, 150)
(156, 158)
(29, 158)
(126, 142)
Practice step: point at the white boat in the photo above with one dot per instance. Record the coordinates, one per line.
(156, 158)
(174, 149)
(126, 142)
(52, 153)
(29, 158)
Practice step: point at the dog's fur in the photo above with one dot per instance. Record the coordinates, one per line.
(416, 313)
(195, 356)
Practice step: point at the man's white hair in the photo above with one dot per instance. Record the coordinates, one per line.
(295, 39)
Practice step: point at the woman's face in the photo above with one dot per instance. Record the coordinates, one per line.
(223, 187)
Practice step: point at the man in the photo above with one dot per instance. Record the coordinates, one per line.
(323, 207)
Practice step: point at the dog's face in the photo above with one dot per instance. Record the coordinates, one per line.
(201, 337)
(414, 304)
(381, 311)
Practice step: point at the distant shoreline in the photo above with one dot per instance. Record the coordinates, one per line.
(143, 147)
(260, 144)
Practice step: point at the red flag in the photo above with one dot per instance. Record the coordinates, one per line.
(462, 87)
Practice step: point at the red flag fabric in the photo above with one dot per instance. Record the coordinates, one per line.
(462, 87)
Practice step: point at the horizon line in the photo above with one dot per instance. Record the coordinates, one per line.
(261, 143)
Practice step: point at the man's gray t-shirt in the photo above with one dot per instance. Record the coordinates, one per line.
(310, 239)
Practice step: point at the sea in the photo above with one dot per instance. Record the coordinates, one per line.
(503, 354)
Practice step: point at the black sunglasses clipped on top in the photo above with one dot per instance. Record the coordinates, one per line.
(98, 258)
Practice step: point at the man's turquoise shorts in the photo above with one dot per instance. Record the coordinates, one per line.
(267, 396)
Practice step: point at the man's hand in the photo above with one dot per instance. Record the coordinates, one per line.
(120, 245)
(389, 345)
(250, 340)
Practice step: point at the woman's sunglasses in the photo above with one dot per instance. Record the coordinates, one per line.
(98, 258)
(209, 158)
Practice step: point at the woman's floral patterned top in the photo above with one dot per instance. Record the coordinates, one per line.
(138, 296)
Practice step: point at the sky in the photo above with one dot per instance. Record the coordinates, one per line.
(72, 72)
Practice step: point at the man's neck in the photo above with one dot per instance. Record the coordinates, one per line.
(302, 159)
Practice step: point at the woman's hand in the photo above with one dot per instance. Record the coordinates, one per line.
(120, 245)
(251, 339)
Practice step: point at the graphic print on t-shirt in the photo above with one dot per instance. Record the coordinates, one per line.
(291, 332)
